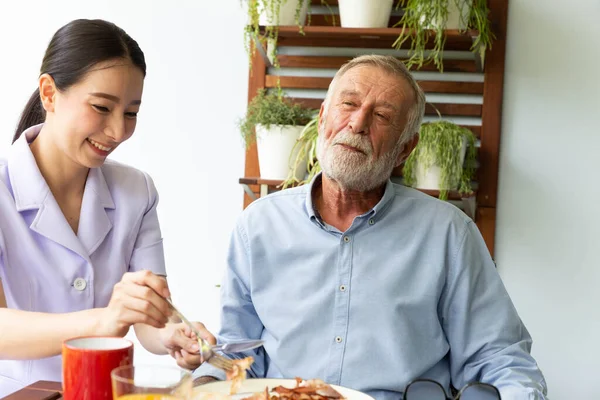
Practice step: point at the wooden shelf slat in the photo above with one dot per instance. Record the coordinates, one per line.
(446, 109)
(335, 36)
(339, 32)
(275, 184)
(455, 110)
(447, 87)
(259, 181)
(331, 3)
(287, 61)
(311, 82)
(314, 104)
(297, 82)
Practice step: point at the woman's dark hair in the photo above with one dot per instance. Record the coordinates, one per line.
(73, 51)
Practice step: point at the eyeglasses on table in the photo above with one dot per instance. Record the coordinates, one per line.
(427, 389)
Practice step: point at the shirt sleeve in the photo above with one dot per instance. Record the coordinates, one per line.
(2, 262)
(239, 319)
(148, 252)
(2, 266)
(488, 340)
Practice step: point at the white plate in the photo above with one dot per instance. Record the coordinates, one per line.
(250, 386)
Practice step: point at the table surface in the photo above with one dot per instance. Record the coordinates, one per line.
(41, 390)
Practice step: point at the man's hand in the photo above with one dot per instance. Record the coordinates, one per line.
(182, 344)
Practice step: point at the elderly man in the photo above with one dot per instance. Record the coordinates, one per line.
(364, 283)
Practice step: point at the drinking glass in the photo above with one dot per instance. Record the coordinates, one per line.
(151, 383)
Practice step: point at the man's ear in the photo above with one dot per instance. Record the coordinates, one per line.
(407, 148)
(48, 92)
(321, 114)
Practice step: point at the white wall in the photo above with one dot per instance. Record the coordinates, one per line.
(186, 137)
(547, 220)
(548, 223)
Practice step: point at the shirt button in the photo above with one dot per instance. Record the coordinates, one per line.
(346, 239)
(343, 288)
(371, 221)
(80, 284)
(338, 339)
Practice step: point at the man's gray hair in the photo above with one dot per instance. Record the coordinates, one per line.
(396, 68)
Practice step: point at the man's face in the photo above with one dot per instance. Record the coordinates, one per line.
(360, 129)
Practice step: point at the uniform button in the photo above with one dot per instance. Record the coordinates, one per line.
(371, 221)
(338, 339)
(343, 288)
(80, 284)
(346, 239)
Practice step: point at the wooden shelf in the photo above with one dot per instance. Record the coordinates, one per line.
(335, 62)
(276, 184)
(311, 82)
(336, 36)
(331, 3)
(479, 107)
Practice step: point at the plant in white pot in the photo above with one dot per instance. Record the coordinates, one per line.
(304, 155)
(271, 14)
(444, 159)
(365, 13)
(275, 123)
(423, 20)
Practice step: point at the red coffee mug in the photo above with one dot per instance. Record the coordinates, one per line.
(87, 364)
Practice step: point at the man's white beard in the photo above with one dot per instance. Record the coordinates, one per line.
(353, 170)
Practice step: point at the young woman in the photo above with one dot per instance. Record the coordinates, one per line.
(80, 244)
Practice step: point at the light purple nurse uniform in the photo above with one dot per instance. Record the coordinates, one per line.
(46, 267)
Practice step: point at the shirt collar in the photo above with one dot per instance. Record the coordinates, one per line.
(29, 186)
(313, 214)
(310, 208)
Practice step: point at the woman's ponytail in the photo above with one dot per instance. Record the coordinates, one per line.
(33, 114)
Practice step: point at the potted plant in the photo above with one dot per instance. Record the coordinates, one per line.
(271, 14)
(444, 159)
(423, 19)
(365, 13)
(303, 156)
(274, 123)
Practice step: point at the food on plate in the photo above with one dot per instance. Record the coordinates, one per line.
(238, 373)
(312, 389)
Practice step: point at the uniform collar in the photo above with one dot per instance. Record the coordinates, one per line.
(31, 192)
(29, 186)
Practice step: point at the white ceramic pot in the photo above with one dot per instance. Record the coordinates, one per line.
(458, 16)
(430, 178)
(287, 14)
(365, 13)
(274, 147)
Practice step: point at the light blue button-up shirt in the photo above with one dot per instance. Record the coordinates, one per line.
(408, 291)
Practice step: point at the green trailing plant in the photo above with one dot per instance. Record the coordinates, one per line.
(271, 108)
(426, 19)
(440, 143)
(253, 29)
(304, 151)
(331, 14)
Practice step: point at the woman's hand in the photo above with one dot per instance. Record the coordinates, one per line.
(138, 298)
(182, 344)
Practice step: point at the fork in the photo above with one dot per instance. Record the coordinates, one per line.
(206, 352)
